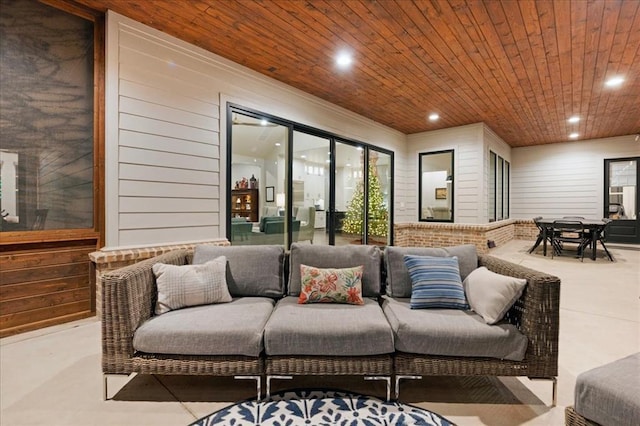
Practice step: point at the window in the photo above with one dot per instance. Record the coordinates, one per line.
(46, 136)
(305, 185)
(499, 178)
(436, 186)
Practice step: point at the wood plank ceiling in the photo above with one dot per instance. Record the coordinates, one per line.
(522, 67)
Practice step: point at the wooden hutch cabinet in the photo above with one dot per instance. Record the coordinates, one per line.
(244, 203)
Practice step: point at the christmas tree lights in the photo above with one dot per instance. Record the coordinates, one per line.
(378, 214)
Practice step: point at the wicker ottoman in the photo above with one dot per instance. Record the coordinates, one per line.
(608, 395)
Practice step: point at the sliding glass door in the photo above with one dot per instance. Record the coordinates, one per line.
(348, 213)
(379, 195)
(311, 160)
(257, 174)
(291, 183)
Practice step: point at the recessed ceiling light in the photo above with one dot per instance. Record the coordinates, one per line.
(359, 148)
(574, 119)
(344, 59)
(263, 122)
(614, 81)
(574, 135)
(433, 117)
(278, 144)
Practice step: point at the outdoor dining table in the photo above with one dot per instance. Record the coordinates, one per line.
(595, 226)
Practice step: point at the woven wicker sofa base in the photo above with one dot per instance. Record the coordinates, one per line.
(197, 365)
(431, 365)
(329, 365)
(571, 418)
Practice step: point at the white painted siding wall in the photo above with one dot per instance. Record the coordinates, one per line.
(468, 146)
(564, 179)
(165, 135)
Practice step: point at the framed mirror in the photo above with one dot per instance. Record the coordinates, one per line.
(436, 186)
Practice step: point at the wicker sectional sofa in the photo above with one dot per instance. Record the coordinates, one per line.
(264, 334)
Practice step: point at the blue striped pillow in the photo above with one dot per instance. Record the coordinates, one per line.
(435, 282)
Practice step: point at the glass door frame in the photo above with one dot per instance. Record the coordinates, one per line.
(292, 127)
(622, 230)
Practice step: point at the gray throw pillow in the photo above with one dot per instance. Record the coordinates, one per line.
(191, 285)
(491, 295)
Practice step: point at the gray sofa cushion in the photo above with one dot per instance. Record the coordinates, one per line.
(398, 280)
(233, 328)
(336, 257)
(608, 395)
(327, 329)
(251, 270)
(451, 332)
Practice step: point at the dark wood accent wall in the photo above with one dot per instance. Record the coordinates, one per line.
(47, 277)
(44, 283)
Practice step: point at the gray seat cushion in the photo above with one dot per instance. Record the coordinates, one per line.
(348, 256)
(398, 280)
(251, 270)
(233, 328)
(608, 395)
(327, 329)
(451, 332)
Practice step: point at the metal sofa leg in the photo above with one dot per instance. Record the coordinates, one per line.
(104, 387)
(105, 383)
(258, 380)
(400, 377)
(554, 389)
(386, 379)
(269, 378)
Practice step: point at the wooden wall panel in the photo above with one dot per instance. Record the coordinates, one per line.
(45, 283)
(522, 67)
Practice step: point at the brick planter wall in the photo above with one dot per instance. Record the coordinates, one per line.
(105, 261)
(435, 234)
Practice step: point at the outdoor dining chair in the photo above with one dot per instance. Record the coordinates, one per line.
(569, 231)
(602, 236)
(541, 233)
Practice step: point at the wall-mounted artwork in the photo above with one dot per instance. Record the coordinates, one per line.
(441, 193)
(270, 194)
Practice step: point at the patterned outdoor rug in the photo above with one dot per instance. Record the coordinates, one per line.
(321, 407)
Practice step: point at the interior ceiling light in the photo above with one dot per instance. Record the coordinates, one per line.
(263, 122)
(574, 135)
(344, 60)
(433, 117)
(278, 144)
(303, 156)
(574, 119)
(614, 82)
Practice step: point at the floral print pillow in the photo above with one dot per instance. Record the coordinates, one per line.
(331, 285)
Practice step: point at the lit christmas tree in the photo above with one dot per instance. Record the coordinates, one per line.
(378, 214)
